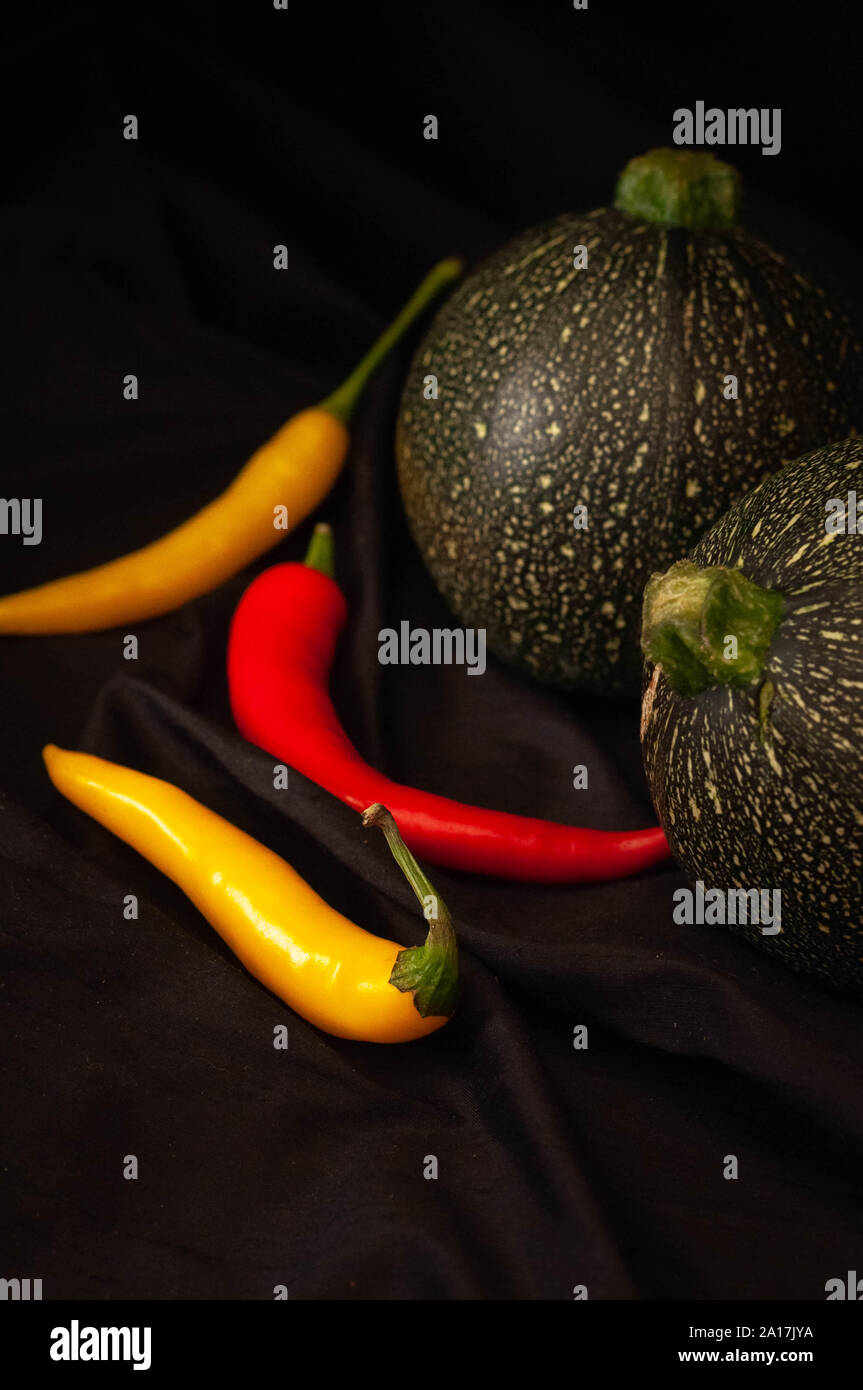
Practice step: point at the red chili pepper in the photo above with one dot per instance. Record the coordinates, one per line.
(280, 651)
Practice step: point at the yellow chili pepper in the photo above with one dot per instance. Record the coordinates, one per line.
(294, 470)
(332, 972)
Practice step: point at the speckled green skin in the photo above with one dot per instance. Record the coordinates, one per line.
(604, 387)
(785, 811)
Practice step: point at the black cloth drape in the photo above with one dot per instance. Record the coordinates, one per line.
(258, 1167)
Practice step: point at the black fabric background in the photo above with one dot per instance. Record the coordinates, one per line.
(601, 1167)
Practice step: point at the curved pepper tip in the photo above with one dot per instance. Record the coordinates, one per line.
(49, 754)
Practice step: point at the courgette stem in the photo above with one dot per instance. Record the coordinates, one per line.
(708, 626)
(680, 188)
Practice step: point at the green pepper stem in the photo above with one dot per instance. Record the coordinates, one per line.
(680, 188)
(429, 972)
(689, 615)
(321, 552)
(342, 401)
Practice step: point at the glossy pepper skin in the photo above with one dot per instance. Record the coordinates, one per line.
(280, 651)
(327, 969)
(294, 470)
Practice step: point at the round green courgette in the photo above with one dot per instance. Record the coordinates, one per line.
(568, 428)
(753, 747)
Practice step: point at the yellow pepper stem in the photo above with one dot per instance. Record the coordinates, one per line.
(429, 972)
(342, 401)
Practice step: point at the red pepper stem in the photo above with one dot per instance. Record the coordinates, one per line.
(430, 971)
(342, 401)
(321, 552)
